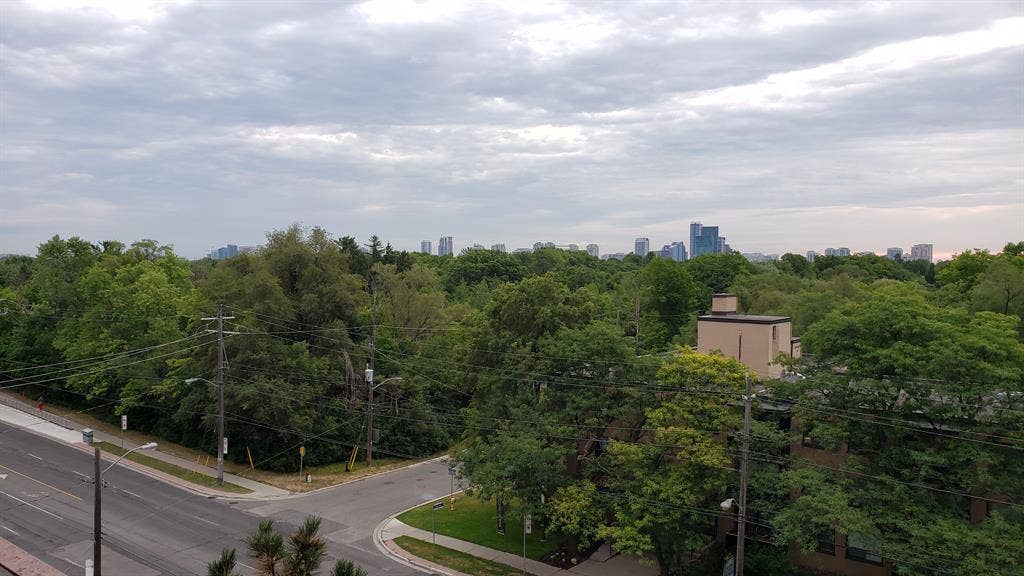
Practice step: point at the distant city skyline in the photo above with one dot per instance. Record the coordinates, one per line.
(860, 124)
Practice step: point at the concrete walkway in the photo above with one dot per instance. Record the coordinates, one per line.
(602, 563)
(30, 422)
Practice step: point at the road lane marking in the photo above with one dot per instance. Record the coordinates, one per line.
(41, 482)
(205, 520)
(133, 493)
(9, 530)
(31, 505)
(69, 561)
(34, 456)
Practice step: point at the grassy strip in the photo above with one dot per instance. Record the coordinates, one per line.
(476, 521)
(454, 559)
(173, 470)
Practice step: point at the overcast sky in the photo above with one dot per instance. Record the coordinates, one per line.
(792, 126)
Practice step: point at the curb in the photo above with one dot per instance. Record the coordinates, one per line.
(410, 560)
(354, 480)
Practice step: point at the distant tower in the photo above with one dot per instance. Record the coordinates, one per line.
(642, 246)
(425, 247)
(695, 230)
(445, 246)
(844, 251)
(921, 252)
(894, 253)
(811, 255)
(593, 250)
(499, 247)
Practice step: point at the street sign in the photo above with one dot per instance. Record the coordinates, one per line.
(528, 524)
(225, 445)
(124, 422)
(451, 471)
(302, 450)
(437, 506)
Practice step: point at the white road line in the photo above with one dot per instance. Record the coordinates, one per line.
(133, 493)
(31, 505)
(37, 457)
(76, 563)
(9, 530)
(205, 520)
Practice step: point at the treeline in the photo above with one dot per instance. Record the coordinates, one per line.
(562, 383)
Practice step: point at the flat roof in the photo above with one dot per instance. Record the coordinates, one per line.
(744, 318)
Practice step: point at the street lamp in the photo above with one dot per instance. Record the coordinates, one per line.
(97, 503)
(220, 425)
(370, 387)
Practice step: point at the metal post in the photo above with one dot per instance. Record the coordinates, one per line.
(220, 394)
(524, 543)
(433, 531)
(741, 530)
(96, 517)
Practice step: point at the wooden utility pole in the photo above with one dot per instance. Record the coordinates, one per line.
(741, 530)
(369, 372)
(97, 507)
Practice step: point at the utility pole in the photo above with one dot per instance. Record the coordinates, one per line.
(741, 530)
(96, 517)
(220, 318)
(369, 372)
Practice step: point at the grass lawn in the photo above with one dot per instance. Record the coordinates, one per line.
(475, 521)
(455, 559)
(184, 474)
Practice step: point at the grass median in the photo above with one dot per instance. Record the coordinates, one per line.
(173, 469)
(454, 559)
(476, 521)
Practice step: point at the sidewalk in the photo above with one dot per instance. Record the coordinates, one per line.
(22, 563)
(35, 424)
(598, 565)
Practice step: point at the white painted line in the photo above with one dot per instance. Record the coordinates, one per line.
(131, 493)
(3, 476)
(34, 456)
(9, 530)
(31, 505)
(69, 561)
(205, 520)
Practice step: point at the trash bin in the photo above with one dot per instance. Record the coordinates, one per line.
(87, 435)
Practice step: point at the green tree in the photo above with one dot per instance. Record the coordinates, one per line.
(794, 264)
(223, 566)
(1000, 288)
(716, 272)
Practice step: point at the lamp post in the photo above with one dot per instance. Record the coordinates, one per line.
(370, 387)
(97, 503)
(220, 425)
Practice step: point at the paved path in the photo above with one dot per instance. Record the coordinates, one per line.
(602, 563)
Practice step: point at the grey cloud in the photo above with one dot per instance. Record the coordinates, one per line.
(217, 121)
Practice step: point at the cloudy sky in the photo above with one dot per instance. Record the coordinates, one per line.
(793, 126)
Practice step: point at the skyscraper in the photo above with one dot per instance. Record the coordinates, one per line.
(593, 250)
(894, 253)
(677, 251)
(499, 247)
(642, 246)
(538, 245)
(425, 247)
(445, 246)
(706, 242)
(811, 255)
(921, 252)
(843, 251)
(831, 252)
(695, 229)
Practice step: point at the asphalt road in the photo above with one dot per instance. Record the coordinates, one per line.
(152, 528)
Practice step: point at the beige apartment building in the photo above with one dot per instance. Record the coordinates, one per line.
(754, 340)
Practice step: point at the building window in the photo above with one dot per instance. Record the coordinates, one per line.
(863, 550)
(826, 542)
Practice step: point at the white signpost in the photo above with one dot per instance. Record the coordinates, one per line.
(124, 426)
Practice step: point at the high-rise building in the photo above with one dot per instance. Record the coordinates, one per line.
(831, 252)
(549, 245)
(641, 246)
(677, 251)
(843, 251)
(573, 247)
(706, 242)
(593, 250)
(695, 230)
(921, 252)
(811, 255)
(499, 247)
(425, 247)
(538, 245)
(445, 247)
(894, 253)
